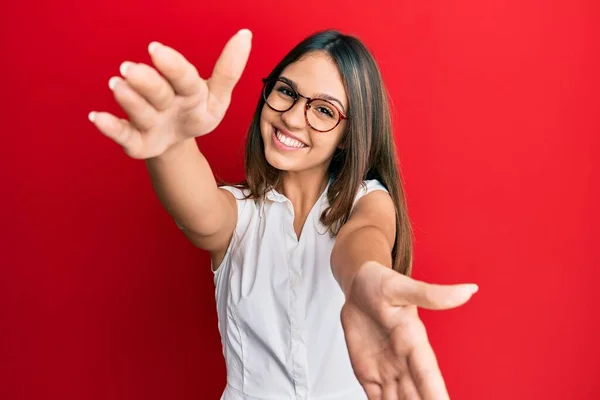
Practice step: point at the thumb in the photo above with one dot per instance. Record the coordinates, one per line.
(432, 296)
(230, 65)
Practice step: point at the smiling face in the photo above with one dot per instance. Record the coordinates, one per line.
(290, 143)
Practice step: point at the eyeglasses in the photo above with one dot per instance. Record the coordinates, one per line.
(320, 114)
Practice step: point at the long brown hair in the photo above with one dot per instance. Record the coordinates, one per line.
(368, 149)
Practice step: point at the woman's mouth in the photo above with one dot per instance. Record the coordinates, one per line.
(285, 142)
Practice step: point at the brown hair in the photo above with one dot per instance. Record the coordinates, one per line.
(368, 145)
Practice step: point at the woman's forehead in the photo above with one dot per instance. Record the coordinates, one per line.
(316, 74)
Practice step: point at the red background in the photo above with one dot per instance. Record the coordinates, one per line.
(496, 115)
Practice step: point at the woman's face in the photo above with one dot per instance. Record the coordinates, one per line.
(290, 143)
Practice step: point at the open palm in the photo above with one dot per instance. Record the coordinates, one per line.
(387, 342)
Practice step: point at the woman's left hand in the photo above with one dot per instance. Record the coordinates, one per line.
(387, 341)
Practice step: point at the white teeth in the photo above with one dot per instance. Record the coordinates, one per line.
(288, 141)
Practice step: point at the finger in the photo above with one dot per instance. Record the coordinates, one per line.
(390, 390)
(407, 389)
(117, 129)
(229, 67)
(373, 391)
(405, 290)
(176, 69)
(141, 114)
(149, 84)
(426, 373)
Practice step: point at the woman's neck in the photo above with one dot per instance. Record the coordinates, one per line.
(303, 188)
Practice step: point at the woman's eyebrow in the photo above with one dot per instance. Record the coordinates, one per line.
(325, 96)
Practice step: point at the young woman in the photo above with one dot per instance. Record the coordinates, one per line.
(311, 253)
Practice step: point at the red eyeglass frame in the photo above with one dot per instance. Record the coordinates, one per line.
(309, 100)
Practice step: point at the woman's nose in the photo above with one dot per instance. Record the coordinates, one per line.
(295, 117)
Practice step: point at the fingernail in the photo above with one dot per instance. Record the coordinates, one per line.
(246, 32)
(152, 47)
(92, 116)
(112, 82)
(474, 289)
(124, 67)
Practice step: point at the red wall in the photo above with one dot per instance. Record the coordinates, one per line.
(496, 110)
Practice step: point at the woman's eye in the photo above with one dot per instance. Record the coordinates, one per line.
(286, 91)
(326, 111)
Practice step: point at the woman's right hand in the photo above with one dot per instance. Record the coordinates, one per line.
(171, 103)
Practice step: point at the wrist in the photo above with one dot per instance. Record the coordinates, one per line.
(347, 276)
(175, 151)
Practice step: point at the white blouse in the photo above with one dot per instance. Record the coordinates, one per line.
(279, 306)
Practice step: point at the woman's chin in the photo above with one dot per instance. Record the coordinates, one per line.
(279, 161)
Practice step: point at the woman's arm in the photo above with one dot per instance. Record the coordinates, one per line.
(368, 235)
(168, 107)
(387, 342)
(186, 187)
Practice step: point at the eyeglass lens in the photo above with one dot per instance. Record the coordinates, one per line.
(321, 114)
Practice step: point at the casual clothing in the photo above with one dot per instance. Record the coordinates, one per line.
(279, 306)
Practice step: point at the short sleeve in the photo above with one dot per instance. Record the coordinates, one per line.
(366, 188)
